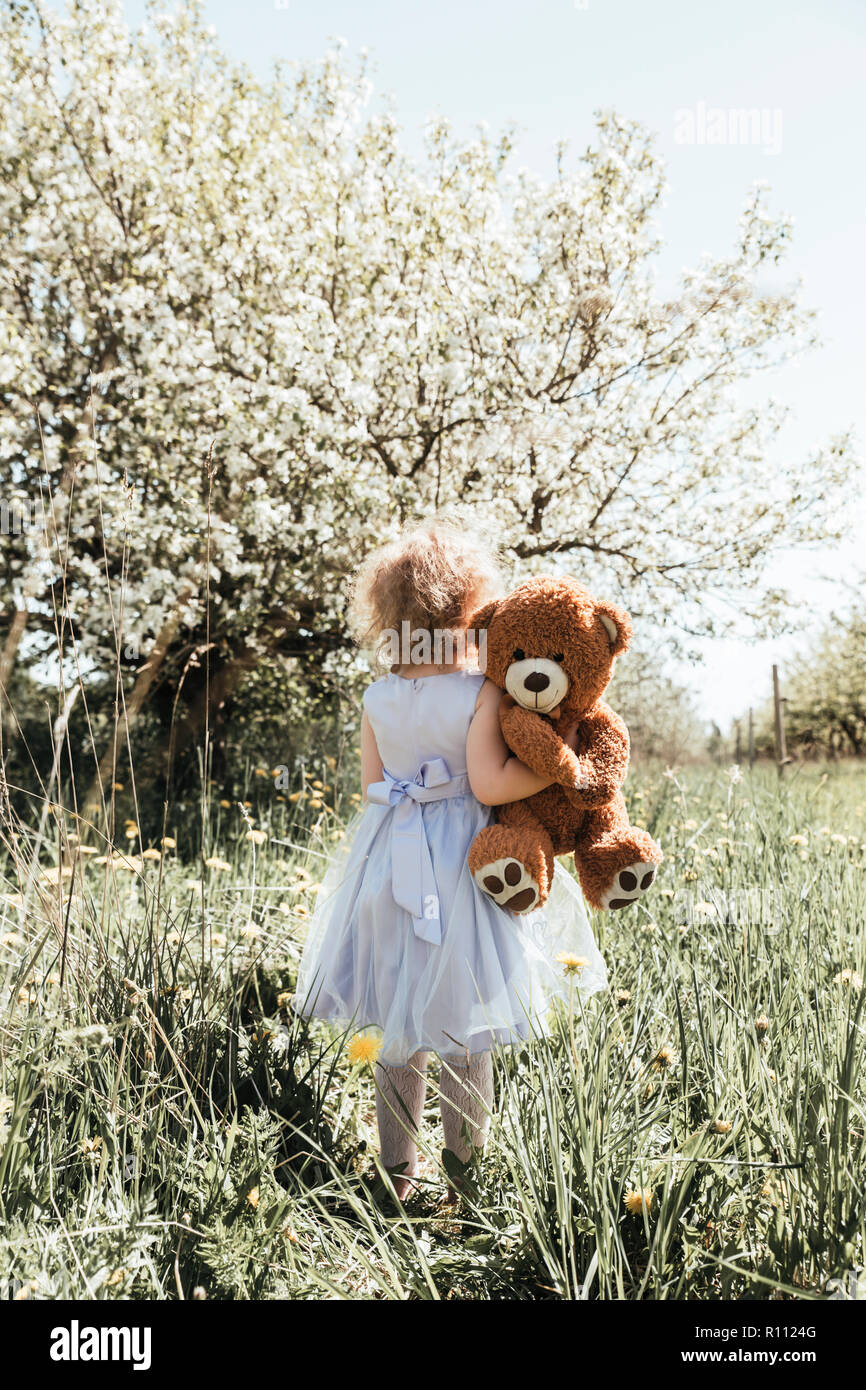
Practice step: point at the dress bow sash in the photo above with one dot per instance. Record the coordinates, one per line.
(413, 881)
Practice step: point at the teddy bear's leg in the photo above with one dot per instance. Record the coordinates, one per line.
(616, 862)
(512, 861)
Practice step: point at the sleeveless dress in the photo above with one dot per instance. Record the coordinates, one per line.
(401, 939)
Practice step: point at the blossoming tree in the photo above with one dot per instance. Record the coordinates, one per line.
(200, 265)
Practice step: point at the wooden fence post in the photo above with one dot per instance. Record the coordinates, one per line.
(751, 738)
(781, 751)
(738, 744)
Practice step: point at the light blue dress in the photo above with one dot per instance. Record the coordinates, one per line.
(402, 940)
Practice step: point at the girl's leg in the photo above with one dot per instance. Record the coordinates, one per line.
(466, 1101)
(399, 1104)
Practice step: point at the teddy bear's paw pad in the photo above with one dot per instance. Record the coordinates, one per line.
(509, 883)
(629, 884)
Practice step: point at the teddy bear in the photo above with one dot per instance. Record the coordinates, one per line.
(551, 646)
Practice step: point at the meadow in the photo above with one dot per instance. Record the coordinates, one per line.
(169, 1129)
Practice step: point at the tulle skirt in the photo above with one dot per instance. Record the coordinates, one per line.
(492, 979)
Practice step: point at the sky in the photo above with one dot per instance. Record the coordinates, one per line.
(547, 66)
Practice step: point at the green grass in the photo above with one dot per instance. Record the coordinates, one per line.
(170, 1129)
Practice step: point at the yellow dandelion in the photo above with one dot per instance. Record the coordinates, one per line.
(721, 1126)
(168, 843)
(798, 839)
(572, 965)
(258, 837)
(117, 786)
(261, 772)
(86, 849)
(218, 939)
(664, 1058)
(705, 909)
(253, 1197)
(762, 1023)
(317, 784)
(295, 796)
(151, 854)
(363, 1048)
(284, 999)
(91, 1146)
(248, 805)
(316, 803)
(623, 996)
(131, 832)
(225, 804)
(302, 876)
(221, 865)
(850, 978)
(639, 1200)
(301, 910)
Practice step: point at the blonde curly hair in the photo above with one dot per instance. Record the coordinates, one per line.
(433, 576)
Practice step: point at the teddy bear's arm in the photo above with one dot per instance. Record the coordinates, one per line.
(537, 744)
(602, 739)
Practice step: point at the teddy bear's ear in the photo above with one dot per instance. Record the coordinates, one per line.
(617, 625)
(482, 617)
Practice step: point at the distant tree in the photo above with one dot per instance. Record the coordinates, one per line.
(825, 692)
(662, 720)
(192, 257)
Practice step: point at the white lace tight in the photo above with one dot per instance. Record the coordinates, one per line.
(465, 1103)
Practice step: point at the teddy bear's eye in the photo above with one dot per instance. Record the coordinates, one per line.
(560, 656)
(519, 654)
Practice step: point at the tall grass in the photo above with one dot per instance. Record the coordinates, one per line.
(170, 1129)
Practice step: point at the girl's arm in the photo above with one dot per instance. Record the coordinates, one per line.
(371, 763)
(495, 775)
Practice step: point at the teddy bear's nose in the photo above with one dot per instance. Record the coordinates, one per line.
(536, 681)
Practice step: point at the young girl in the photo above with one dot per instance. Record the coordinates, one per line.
(402, 939)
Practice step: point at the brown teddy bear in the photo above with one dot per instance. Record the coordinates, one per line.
(551, 646)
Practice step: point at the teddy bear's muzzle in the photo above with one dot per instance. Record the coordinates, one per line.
(537, 683)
